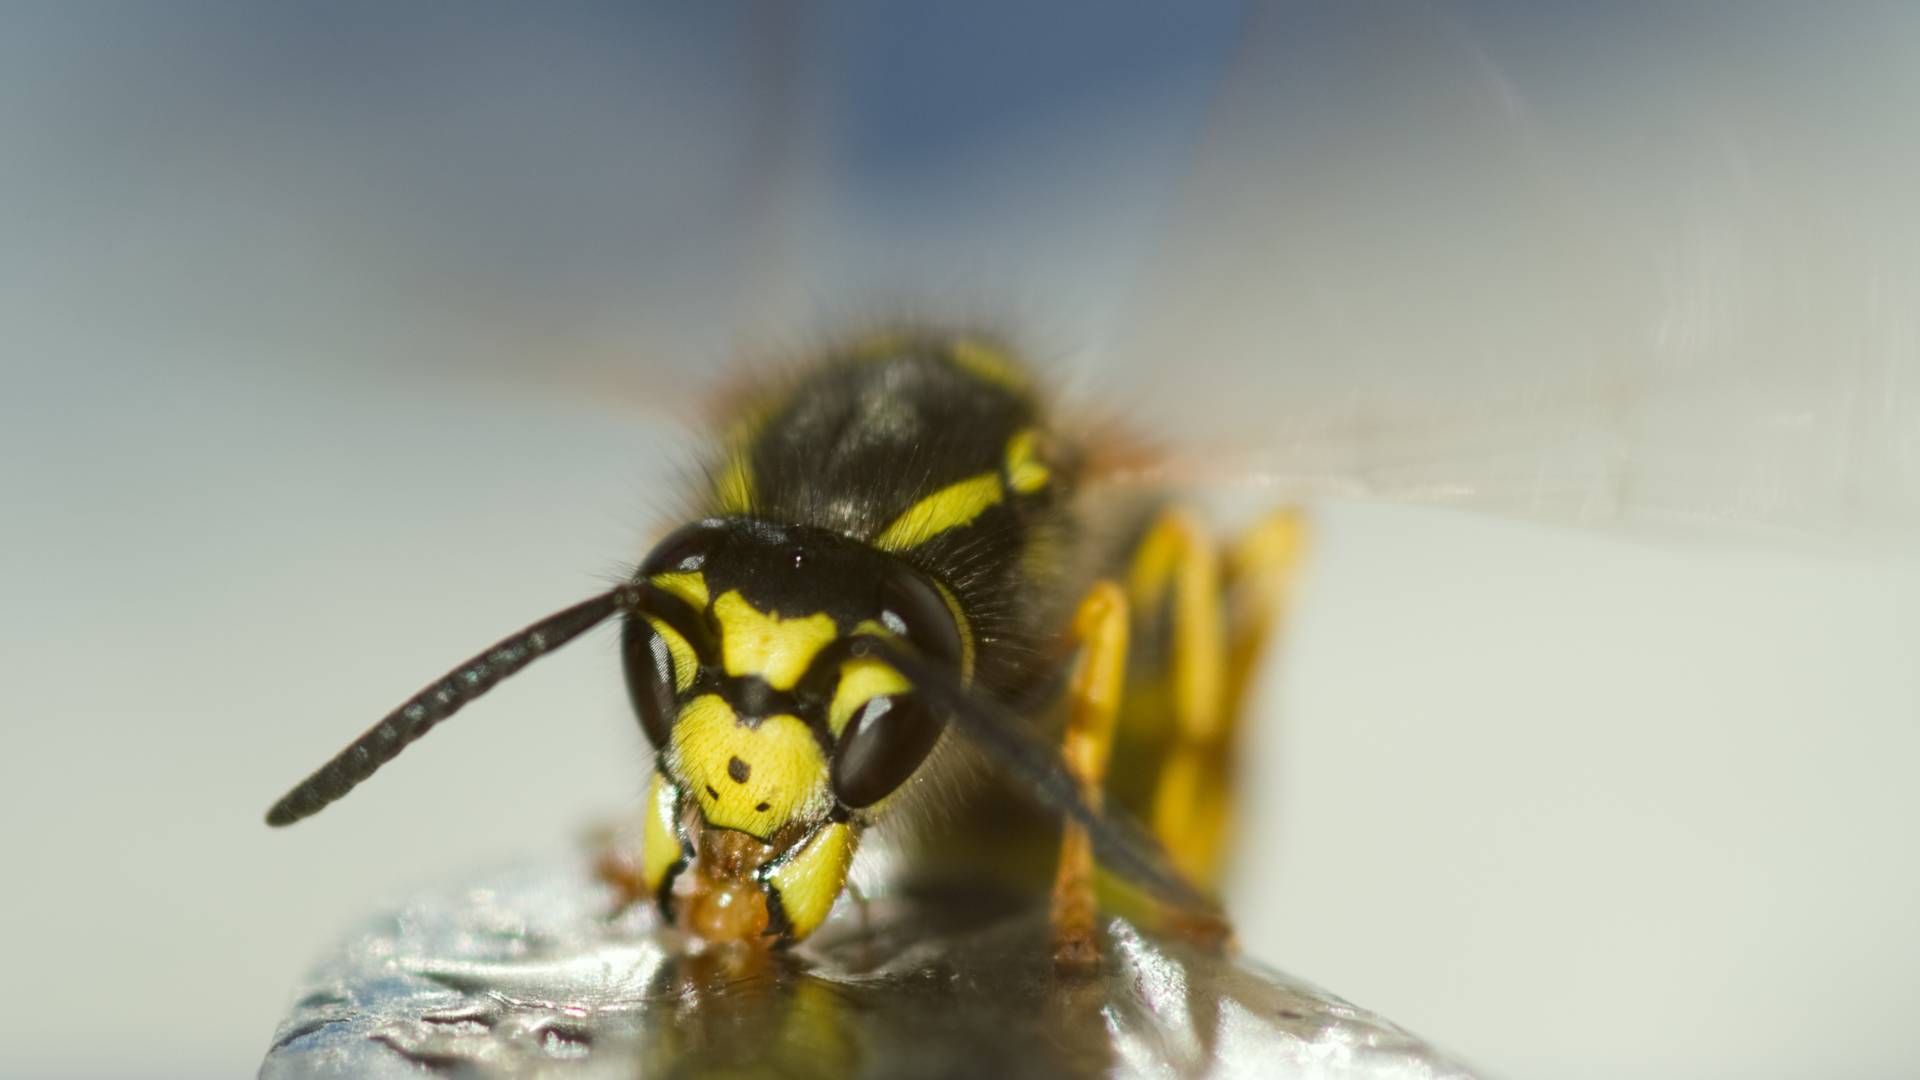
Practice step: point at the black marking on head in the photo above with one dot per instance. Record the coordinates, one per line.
(793, 571)
(753, 700)
(762, 807)
(738, 771)
(711, 794)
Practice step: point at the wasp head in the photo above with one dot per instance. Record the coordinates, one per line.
(776, 731)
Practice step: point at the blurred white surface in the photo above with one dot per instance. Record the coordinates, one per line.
(1604, 809)
(309, 324)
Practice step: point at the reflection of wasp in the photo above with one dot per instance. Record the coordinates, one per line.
(894, 546)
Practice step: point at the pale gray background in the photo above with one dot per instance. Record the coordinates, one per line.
(341, 341)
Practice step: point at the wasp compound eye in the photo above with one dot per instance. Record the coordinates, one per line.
(912, 606)
(886, 741)
(664, 645)
(651, 678)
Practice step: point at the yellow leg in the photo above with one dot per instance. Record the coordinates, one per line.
(1176, 565)
(1093, 701)
(1219, 624)
(1219, 621)
(1261, 566)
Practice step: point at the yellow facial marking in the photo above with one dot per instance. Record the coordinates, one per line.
(659, 841)
(987, 363)
(690, 586)
(860, 682)
(776, 649)
(949, 508)
(754, 779)
(1025, 473)
(686, 664)
(811, 878)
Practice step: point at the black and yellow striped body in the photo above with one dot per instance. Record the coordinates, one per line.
(939, 451)
(906, 490)
(890, 549)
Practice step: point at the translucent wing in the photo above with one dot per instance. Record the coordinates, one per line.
(1658, 267)
(1662, 270)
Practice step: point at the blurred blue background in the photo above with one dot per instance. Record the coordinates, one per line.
(343, 339)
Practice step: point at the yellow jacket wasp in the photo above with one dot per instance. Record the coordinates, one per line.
(893, 554)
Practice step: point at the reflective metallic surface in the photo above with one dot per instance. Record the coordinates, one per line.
(523, 974)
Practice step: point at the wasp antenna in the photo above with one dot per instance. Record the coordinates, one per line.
(1120, 845)
(384, 741)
